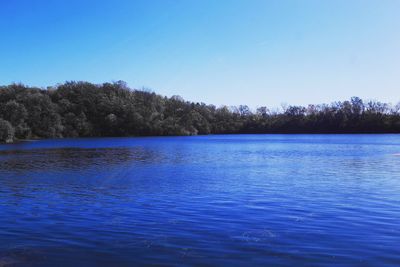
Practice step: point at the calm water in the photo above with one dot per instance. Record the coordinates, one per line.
(244, 200)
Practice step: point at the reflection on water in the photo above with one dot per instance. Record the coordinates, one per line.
(291, 200)
(72, 158)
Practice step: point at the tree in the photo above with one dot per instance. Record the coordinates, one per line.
(15, 112)
(75, 109)
(43, 117)
(357, 105)
(244, 110)
(262, 112)
(6, 131)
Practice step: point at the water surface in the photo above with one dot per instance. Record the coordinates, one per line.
(238, 200)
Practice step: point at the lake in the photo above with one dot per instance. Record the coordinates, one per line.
(219, 200)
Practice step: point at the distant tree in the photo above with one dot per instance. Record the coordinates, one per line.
(6, 131)
(76, 109)
(76, 125)
(23, 131)
(43, 118)
(17, 114)
(295, 111)
(396, 109)
(357, 105)
(14, 112)
(262, 111)
(244, 110)
(195, 123)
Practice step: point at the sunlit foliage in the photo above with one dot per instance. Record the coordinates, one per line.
(81, 109)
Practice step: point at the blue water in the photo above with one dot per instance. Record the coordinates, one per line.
(239, 200)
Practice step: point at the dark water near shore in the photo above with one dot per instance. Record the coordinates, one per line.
(240, 200)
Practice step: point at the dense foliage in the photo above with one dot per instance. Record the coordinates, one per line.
(81, 109)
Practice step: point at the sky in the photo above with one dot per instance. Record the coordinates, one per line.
(225, 52)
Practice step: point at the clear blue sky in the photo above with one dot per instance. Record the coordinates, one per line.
(215, 51)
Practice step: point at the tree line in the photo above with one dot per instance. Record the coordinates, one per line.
(82, 109)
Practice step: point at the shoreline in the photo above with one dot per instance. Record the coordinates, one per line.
(167, 136)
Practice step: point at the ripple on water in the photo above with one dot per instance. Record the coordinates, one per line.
(279, 200)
